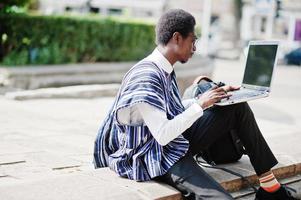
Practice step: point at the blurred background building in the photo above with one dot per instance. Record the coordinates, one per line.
(272, 19)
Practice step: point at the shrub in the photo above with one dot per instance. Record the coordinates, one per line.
(13, 6)
(28, 39)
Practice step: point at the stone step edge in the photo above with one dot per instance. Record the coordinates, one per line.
(249, 192)
(280, 173)
(79, 91)
(88, 68)
(64, 69)
(184, 74)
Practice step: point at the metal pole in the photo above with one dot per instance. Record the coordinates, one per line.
(206, 15)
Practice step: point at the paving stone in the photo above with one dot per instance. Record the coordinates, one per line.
(87, 186)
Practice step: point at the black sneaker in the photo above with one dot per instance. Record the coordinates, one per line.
(283, 193)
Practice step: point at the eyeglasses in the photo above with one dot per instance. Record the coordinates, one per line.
(195, 39)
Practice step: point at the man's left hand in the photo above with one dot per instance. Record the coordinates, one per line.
(229, 88)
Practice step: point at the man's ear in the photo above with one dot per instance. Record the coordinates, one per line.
(177, 37)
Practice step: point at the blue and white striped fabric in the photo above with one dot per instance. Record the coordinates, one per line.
(131, 150)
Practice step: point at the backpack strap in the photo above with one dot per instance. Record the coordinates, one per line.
(213, 166)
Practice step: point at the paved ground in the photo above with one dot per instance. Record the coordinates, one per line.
(49, 137)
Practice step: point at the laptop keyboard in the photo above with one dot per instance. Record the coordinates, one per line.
(242, 94)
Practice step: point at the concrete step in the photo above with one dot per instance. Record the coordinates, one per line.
(287, 167)
(26, 77)
(105, 184)
(33, 77)
(249, 194)
(81, 91)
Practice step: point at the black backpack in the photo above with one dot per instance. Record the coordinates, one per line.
(227, 149)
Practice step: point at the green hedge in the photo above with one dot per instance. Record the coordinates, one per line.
(27, 39)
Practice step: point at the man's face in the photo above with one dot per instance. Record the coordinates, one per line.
(187, 47)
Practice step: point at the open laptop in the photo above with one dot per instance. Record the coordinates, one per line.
(260, 64)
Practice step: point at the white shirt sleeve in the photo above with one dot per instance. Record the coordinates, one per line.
(164, 130)
(188, 102)
(161, 128)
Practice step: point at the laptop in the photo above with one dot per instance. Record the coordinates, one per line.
(260, 64)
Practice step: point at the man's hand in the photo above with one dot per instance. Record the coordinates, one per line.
(208, 98)
(229, 88)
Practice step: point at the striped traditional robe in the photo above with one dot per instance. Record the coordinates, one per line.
(131, 150)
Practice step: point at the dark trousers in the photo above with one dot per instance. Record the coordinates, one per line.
(192, 180)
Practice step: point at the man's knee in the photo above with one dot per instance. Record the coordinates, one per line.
(243, 108)
(234, 108)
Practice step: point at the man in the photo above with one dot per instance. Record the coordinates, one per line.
(150, 133)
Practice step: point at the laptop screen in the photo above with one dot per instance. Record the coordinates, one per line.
(260, 64)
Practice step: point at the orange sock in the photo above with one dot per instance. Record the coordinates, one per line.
(269, 183)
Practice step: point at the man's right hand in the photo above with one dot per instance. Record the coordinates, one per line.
(208, 98)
